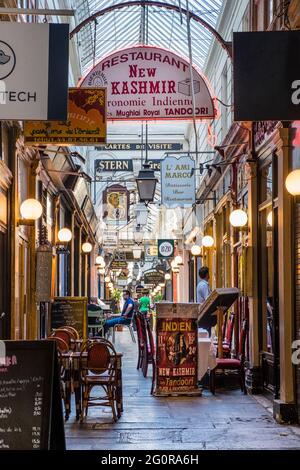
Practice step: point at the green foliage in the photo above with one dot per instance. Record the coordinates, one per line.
(158, 297)
(116, 295)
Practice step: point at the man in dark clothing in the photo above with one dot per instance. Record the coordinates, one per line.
(126, 314)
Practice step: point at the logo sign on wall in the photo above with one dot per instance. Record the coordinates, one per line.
(34, 61)
(86, 124)
(178, 182)
(116, 205)
(165, 248)
(146, 82)
(266, 76)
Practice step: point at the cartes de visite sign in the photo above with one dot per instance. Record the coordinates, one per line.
(34, 60)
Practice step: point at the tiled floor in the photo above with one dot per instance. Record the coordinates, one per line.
(229, 420)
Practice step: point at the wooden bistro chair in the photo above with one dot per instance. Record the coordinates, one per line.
(141, 341)
(227, 343)
(64, 335)
(98, 366)
(232, 364)
(147, 348)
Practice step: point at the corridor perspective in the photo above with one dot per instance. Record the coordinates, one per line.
(149, 231)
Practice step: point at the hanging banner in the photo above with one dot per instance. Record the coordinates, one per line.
(146, 82)
(154, 277)
(86, 124)
(116, 205)
(34, 61)
(178, 182)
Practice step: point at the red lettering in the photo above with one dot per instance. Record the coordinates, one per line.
(151, 72)
(114, 88)
(132, 71)
(172, 86)
(143, 87)
(154, 87)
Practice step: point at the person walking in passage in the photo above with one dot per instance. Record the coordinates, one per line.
(203, 289)
(126, 314)
(144, 303)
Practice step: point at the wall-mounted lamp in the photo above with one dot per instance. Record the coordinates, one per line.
(107, 279)
(167, 277)
(101, 271)
(292, 182)
(238, 218)
(64, 235)
(270, 218)
(208, 241)
(100, 262)
(196, 250)
(178, 260)
(31, 210)
(86, 248)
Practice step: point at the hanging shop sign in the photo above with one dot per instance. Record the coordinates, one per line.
(110, 239)
(165, 248)
(266, 76)
(112, 165)
(34, 60)
(154, 277)
(146, 82)
(117, 264)
(86, 123)
(151, 251)
(159, 146)
(176, 352)
(116, 205)
(178, 182)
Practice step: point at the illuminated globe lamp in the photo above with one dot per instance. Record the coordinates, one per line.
(162, 284)
(238, 218)
(86, 247)
(196, 250)
(292, 182)
(110, 285)
(100, 262)
(270, 218)
(158, 288)
(64, 235)
(174, 264)
(167, 277)
(31, 210)
(101, 271)
(178, 260)
(208, 241)
(107, 279)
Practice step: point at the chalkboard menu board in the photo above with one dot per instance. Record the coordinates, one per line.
(31, 415)
(70, 311)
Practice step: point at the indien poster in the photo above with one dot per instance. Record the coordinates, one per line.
(86, 124)
(176, 355)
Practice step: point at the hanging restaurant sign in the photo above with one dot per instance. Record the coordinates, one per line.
(86, 124)
(178, 181)
(146, 82)
(34, 60)
(154, 277)
(266, 76)
(116, 205)
(117, 264)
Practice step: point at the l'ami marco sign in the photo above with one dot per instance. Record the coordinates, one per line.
(145, 82)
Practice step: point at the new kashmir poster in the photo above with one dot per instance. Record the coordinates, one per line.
(176, 355)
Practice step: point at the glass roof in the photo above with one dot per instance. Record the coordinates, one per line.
(158, 26)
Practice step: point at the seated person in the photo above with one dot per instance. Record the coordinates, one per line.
(126, 314)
